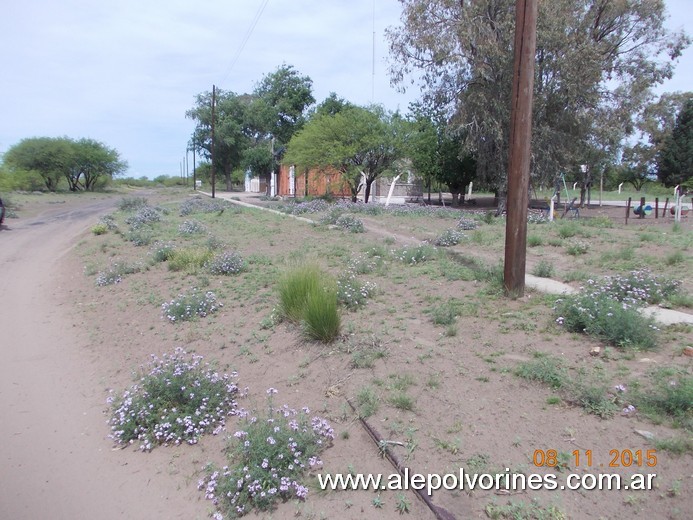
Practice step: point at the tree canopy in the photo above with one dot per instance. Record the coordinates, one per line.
(84, 163)
(596, 60)
(675, 160)
(436, 151)
(361, 143)
(249, 126)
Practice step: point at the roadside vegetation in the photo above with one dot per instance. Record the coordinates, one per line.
(405, 332)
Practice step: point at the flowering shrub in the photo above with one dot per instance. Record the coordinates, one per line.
(108, 277)
(466, 223)
(114, 273)
(601, 315)
(226, 263)
(332, 216)
(300, 208)
(162, 251)
(191, 227)
(449, 237)
(637, 288)
(363, 264)
(353, 294)
(349, 223)
(139, 237)
(413, 255)
(577, 248)
(189, 306)
(177, 399)
(109, 221)
(202, 205)
(269, 455)
(537, 217)
(607, 308)
(145, 215)
(423, 211)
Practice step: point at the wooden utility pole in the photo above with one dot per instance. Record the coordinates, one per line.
(214, 99)
(520, 147)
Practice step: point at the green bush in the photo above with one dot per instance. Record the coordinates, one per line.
(139, 237)
(99, 229)
(671, 395)
(534, 241)
(446, 313)
(545, 369)
(162, 251)
(600, 315)
(189, 260)
(577, 248)
(543, 269)
(129, 204)
(415, 254)
(568, 229)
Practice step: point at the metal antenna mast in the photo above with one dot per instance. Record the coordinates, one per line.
(373, 59)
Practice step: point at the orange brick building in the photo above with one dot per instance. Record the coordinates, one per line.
(315, 182)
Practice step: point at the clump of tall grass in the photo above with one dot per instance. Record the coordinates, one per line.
(307, 296)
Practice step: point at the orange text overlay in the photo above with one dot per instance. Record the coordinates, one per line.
(586, 459)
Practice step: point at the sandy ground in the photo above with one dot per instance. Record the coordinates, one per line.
(56, 462)
(65, 342)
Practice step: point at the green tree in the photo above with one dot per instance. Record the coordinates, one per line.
(85, 163)
(675, 160)
(457, 168)
(360, 143)
(281, 100)
(654, 123)
(48, 156)
(232, 130)
(436, 151)
(91, 164)
(331, 106)
(595, 61)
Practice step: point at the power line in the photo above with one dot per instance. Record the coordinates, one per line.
(248, 33)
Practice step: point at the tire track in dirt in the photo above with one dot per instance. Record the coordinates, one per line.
(55, 456)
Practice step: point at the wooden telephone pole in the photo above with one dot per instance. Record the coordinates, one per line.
(520, 147)
(214, 99)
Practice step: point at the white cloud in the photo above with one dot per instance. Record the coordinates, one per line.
(125, 71)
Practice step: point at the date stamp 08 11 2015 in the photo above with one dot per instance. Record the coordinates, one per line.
(584, 458)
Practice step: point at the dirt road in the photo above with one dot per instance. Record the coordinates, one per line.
(56, 461)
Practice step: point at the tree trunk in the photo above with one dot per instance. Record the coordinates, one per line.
(455, 198)
(502, 198)
(227, 178)
(367, 193)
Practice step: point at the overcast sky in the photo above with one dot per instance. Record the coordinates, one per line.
(125, 71)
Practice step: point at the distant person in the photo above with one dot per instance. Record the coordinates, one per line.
(2, 212)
